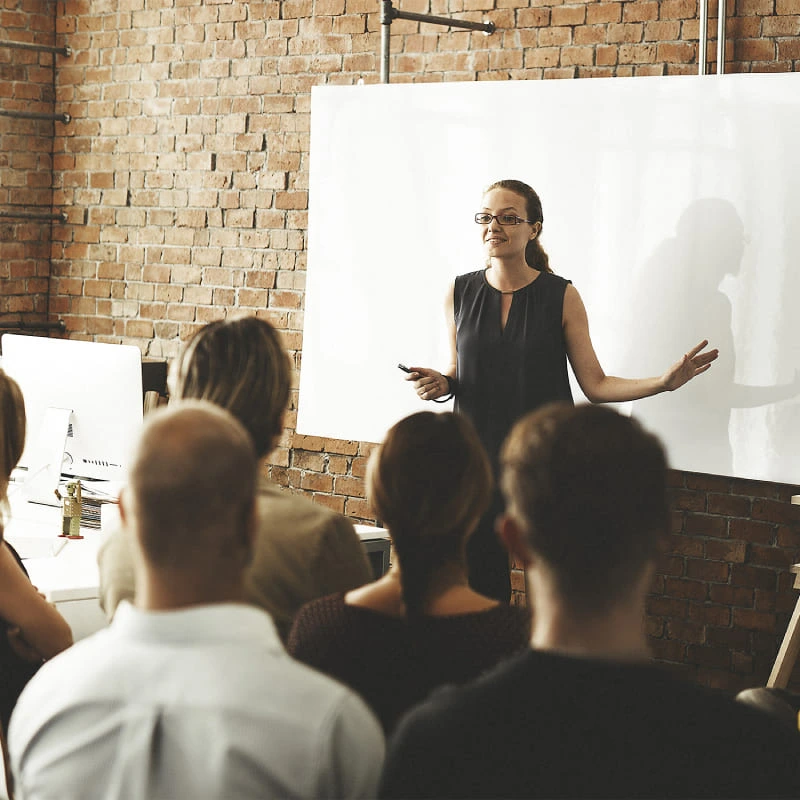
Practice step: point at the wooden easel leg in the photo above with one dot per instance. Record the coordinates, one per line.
(787, 655)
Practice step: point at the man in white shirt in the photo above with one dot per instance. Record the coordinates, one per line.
(189, 693)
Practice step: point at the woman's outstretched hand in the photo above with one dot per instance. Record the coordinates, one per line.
(693, 363)
(428, 383)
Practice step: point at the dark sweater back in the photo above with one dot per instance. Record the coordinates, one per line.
(393, 664)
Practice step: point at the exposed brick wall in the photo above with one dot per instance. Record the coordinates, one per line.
(26, 84)
(185, 176)
(723, 594)
(552, 39)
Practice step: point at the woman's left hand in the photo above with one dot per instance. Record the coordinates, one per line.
(429, 384)
(693, 363)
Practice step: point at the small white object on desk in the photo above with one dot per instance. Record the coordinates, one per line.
(33, 529)
(796, 499)
(377, 543)
(368, 533)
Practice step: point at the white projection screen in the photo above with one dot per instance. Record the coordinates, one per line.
(673, 205)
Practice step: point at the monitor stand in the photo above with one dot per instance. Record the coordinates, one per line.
(44, 465)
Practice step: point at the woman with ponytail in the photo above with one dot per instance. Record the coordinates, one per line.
(420, 625)
(512, 327)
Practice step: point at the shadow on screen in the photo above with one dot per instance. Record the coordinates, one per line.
(676, 302)
(783, 419)
(679, 304)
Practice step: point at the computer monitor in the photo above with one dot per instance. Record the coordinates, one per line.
(100, 384)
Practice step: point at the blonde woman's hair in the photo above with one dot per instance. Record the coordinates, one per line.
(429, 483)
(241, 366)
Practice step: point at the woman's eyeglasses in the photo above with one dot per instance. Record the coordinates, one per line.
(503, 219)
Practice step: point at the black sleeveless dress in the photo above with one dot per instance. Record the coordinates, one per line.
(503, 374)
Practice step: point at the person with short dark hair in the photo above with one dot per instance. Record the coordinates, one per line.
(421, 625)
(583, 712)
(189, 693)
(303, 550)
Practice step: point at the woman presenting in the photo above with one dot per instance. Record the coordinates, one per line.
(512, 326)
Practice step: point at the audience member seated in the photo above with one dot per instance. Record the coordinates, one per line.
(583, 713)
(190, 693)
(31, 630)
(303, 550)
(420, 625)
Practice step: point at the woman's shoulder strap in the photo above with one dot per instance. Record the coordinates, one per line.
(468, 282)
(15, 554)
(556, 280)
(464, 286)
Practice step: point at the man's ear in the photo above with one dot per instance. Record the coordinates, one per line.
(514, 539)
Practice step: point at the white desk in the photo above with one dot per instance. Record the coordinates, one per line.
(64, 570)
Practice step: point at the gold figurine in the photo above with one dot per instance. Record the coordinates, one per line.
(71, 511)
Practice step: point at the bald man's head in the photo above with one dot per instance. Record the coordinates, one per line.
(191, 490)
